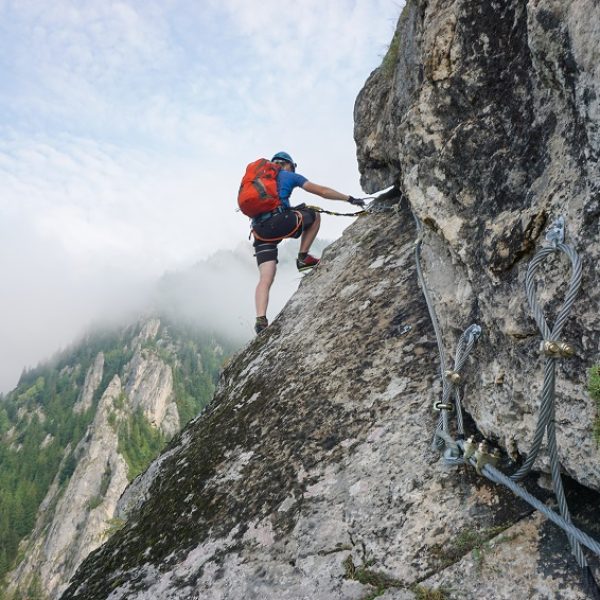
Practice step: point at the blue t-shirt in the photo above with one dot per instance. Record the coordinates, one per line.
(286, 182)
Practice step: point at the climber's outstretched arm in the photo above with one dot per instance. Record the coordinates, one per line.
(324, 192)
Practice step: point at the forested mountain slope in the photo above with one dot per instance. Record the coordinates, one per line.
(76, 430)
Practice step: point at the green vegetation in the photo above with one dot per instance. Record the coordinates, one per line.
(114, 525)
(594, 388)
(40, 431)
(424, 593)
(390, 60)
(476, 541)
(139, 443)
(388, 64)
(367, 576)
(196, 372)
(39, 424)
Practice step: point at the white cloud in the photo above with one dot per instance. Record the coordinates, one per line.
(125, 128)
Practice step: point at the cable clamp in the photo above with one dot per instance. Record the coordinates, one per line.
(566, 350)
(469, 447)
(557, 349)
(483, 456)
(452, 376)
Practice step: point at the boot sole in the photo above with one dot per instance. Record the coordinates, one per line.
(307, 268)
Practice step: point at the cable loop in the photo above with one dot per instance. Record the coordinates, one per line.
(574, 285)
(553, 348)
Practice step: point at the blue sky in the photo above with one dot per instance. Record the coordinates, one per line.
(125, 127)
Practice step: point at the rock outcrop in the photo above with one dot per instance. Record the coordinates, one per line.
(311, 474)
(488, 122)
(93, 379)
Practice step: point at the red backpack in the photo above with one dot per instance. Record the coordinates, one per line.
(258, 190)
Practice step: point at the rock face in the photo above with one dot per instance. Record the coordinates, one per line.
(311, 474)
(93, 378)
(488, 123)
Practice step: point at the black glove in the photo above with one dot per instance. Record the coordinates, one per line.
(356, 201)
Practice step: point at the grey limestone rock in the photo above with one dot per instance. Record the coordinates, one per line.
(498, 139)
(93, 378)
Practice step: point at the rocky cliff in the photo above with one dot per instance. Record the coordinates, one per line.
(486, 116)
(134, 403)
(311, 474)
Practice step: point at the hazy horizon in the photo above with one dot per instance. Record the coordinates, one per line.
(215, 294)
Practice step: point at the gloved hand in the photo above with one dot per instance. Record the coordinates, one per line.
(356, 201)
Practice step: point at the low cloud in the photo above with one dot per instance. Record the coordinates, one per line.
(125, 130)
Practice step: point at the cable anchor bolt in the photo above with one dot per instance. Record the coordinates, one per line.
(452, 376)
(483, 457)
(469, 447)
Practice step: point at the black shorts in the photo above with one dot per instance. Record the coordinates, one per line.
(280, 226)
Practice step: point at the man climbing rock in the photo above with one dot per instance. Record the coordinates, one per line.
(284, 221)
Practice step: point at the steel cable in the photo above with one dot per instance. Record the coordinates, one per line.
(497, 476)
(554, 348)
(546, 425)
(463, 348)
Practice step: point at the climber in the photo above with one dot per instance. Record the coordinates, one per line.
(284, 221)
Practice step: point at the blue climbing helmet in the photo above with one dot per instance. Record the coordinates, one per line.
(284, 157)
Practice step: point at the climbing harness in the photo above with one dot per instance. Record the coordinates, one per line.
(461, 451)
(289, 234)
(367, 210)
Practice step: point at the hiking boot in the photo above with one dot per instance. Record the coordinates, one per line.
(306, 263)
(261, 324)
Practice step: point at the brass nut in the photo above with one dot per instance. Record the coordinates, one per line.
(452, 376)
(550, 348)
(469, 447)
(557, 349)
(566, 350)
